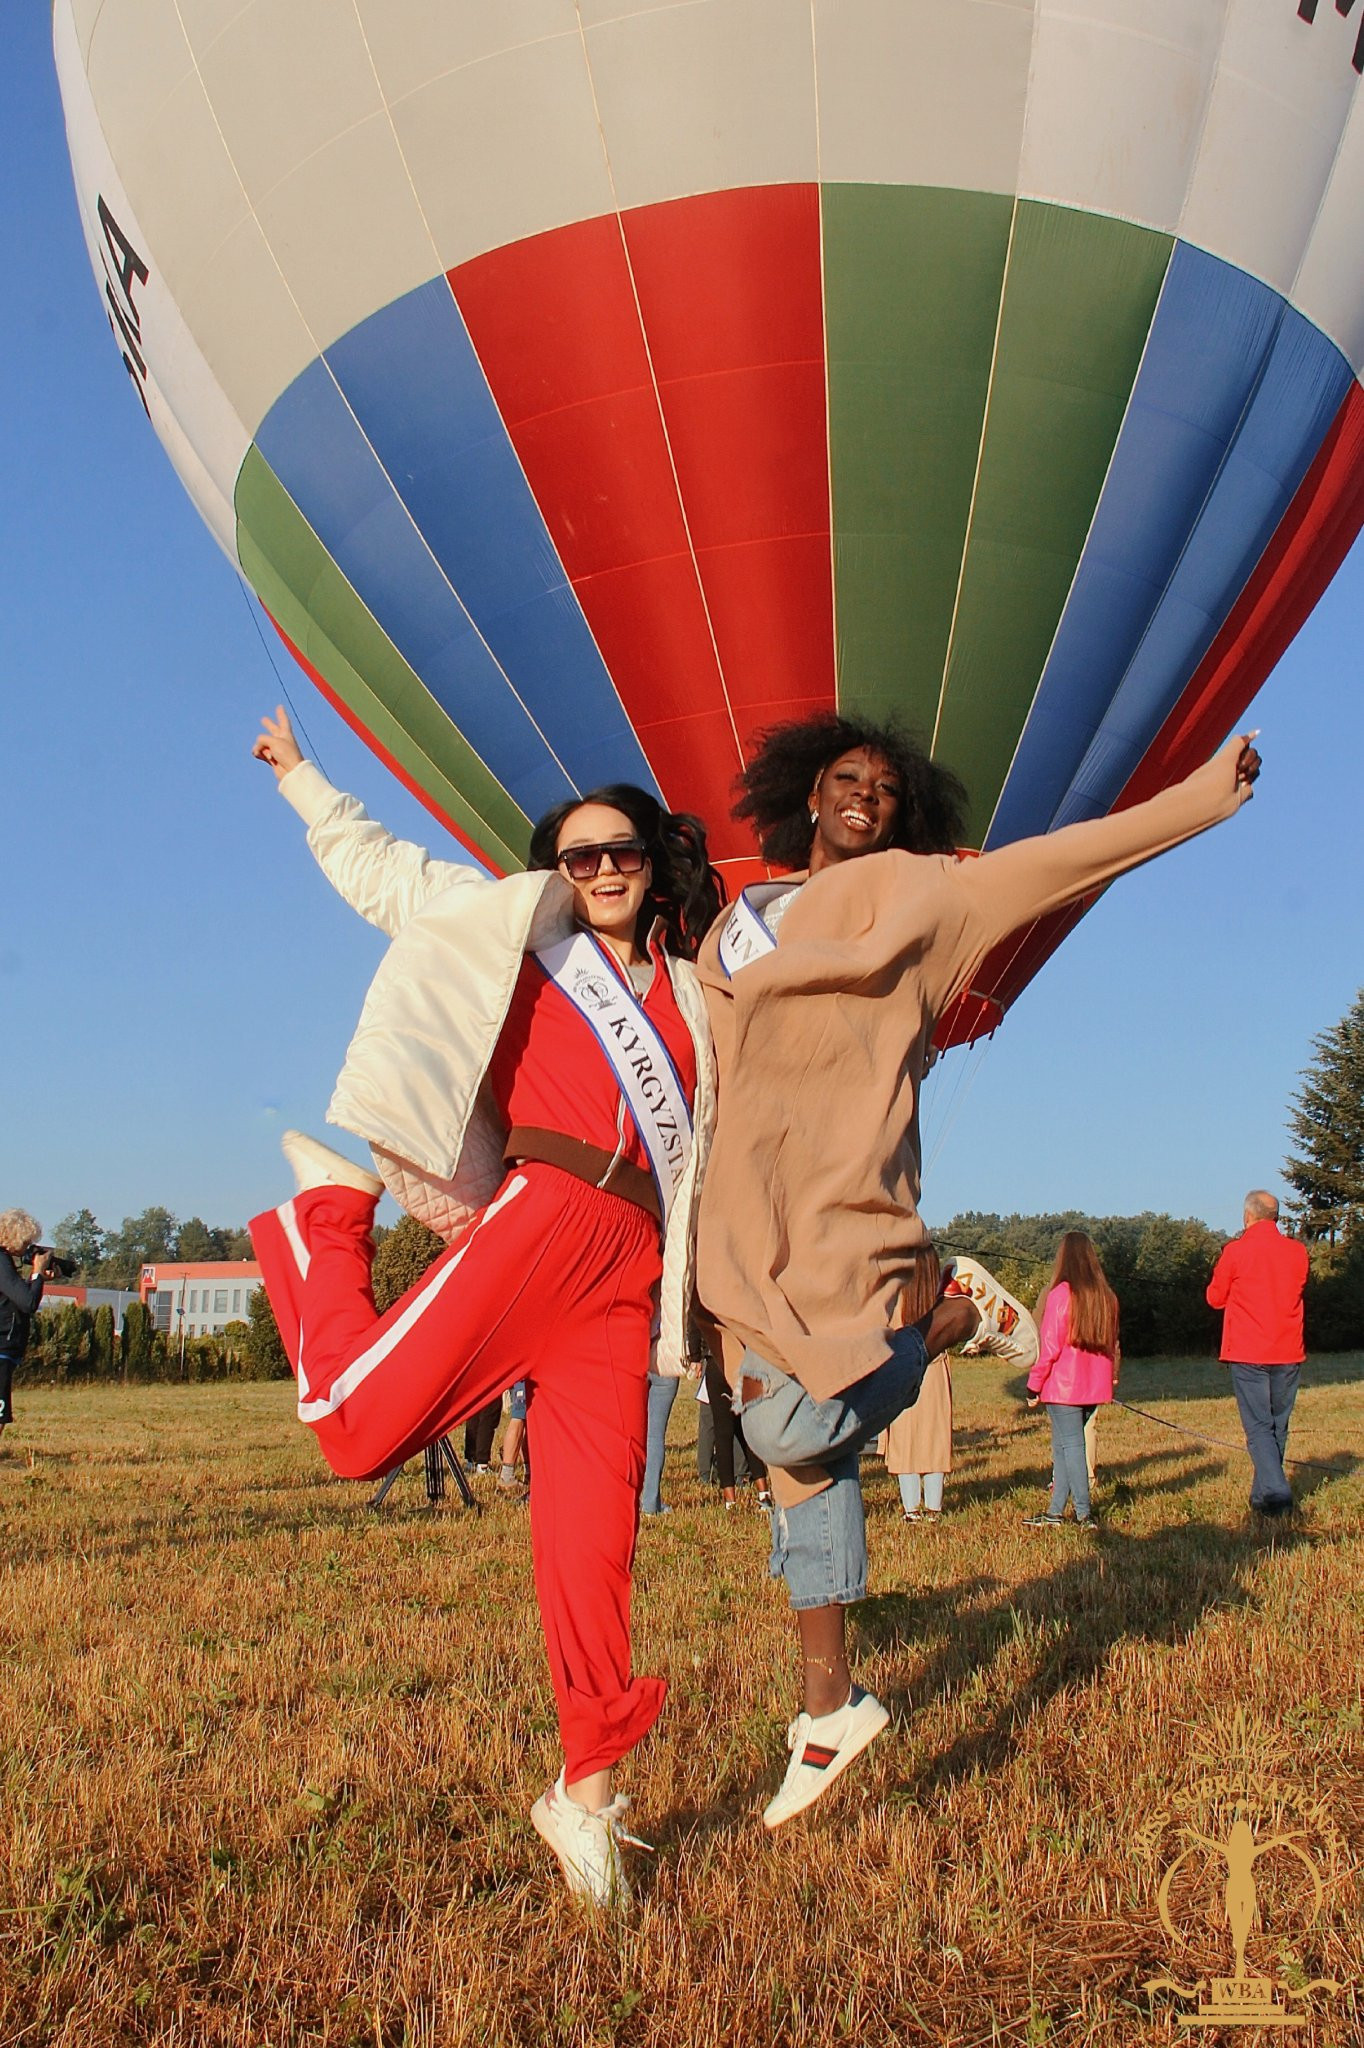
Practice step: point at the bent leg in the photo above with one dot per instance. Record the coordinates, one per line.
(788, 1429)
(378, 1388)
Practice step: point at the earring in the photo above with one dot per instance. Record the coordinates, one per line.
(814, 817)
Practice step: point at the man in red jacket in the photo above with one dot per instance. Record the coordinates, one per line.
(1259, 1281)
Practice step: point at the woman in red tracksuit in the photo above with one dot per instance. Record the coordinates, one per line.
(528, 1059)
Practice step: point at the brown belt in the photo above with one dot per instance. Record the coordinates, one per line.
(584, 1162)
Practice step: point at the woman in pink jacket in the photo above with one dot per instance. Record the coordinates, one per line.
(1075, 1370)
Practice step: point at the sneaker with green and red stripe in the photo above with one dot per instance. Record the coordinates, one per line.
(821, 1748)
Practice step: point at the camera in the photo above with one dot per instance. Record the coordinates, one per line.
(58, 1264)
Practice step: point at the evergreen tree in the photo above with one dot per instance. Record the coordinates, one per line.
(81, 1238)
(137, 1346)
(261, 1345)
(103, 1341)
(196, 1240)
(1327, 1121)
(402, 1257)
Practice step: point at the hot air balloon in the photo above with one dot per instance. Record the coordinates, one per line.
(585, 385)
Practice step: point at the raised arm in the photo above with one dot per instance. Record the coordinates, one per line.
(25, 1295)
(386, 879)
(1009, 888)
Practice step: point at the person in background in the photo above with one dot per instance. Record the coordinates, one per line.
(1258, 1283)
(662, 1394)
(729, 1437)
(515, 1444)
(1092, 1426)
(917, 1447)
(479, 1432)
(20, 1294)
(1077, 1351)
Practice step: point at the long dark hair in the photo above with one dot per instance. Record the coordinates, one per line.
(686, 892)
(775, 787)
(1093, 1304)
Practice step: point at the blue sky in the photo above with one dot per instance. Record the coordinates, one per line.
(178, 983)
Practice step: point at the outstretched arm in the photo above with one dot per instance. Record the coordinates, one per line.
(386, 879)
(1009, 888)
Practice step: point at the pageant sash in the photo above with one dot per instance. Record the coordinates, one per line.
(745, 936)
(636, 1053)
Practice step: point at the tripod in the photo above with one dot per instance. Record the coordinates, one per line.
(437, 1459)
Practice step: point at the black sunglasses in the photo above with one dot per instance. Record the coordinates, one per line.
(584, 862)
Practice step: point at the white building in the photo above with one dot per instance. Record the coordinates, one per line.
(201, 1298)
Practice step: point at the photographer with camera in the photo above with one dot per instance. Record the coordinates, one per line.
(19, 1294)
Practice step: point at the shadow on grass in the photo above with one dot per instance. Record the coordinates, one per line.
(1128, 1474)
(1103, 1592)
(1206, 1379)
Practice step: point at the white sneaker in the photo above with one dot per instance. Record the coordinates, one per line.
(587, 1845)
(1006, 1329)
(821, 1749)
(316, 1165)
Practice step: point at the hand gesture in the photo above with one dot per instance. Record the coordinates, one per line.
(1247, 762)
(275, 743)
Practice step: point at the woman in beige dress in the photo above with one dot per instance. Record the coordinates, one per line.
(917, 1447)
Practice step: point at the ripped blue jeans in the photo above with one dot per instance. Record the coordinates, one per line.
(820, 1546)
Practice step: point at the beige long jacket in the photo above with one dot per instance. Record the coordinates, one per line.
(413, 1085)
(810, 1226)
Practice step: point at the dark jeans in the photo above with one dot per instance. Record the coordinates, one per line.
(729, 1434)
(1265, 1395)
(479, 1432)
(8, 1361)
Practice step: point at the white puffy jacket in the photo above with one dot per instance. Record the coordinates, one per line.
(414, 1080)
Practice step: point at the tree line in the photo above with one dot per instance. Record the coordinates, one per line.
(68, 1342)
(115, 1258)
(1158, 1265)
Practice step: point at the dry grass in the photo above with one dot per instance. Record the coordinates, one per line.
(267, 1757)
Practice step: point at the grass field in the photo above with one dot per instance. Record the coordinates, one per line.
(267, 1757)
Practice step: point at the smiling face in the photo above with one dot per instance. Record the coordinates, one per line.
(608, 903)
(857, 802)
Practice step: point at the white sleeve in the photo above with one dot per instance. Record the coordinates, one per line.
(386, 879)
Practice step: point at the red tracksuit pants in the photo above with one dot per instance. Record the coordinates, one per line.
(552, 1283)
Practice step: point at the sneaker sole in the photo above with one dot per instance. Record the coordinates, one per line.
(859, 1738)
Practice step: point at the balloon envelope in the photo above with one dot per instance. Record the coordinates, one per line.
(584, 387)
